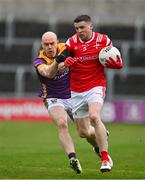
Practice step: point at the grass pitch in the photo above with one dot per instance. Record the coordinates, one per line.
(32, 151)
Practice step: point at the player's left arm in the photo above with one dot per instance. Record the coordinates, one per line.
(112, 63)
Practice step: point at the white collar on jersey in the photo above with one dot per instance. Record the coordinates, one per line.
(93, 35)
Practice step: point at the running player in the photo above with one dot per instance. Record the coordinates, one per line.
(55, 92)
(88, 84)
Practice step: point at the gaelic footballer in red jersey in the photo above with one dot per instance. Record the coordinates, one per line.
(86, 57)
(88, 84)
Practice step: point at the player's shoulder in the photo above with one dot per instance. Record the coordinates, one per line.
(73, 38)
(61, 47)
(43, 58)
(39, 60)
(72, 41)
(102, 38)
(41, 54)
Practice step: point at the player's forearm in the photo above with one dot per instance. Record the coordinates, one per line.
(52, 70)
(61, 58)
(48, 71)
(61, 67)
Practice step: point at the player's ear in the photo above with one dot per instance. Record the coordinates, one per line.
(91, 25)
(57, 41)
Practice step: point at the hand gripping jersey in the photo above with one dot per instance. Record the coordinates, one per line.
(87, 72)
(57, 87)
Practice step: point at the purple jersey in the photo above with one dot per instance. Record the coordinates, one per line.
(57, 87)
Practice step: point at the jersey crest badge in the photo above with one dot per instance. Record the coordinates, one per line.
(53, 100)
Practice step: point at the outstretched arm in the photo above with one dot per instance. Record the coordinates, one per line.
(48, 71)
(69, 61)
(64, 60)
(63, 56)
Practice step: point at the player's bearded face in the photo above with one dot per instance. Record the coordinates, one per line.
(84, 30)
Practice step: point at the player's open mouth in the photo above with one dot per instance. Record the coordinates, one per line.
(50, 52)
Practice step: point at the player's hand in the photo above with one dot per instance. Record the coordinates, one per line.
(111, 63)
(69, 61)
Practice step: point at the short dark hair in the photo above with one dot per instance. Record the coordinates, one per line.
(80, 18)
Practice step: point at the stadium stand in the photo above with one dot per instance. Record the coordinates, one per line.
(118, 32)
(29, 29)
(126, 85)
(7, 81)
(16, 54)
(31, 83)
(2, 29)
(64, 30)
(137, 57)
(143, 33)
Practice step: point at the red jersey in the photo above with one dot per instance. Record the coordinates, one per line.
(87, 72)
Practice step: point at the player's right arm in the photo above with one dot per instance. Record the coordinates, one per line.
(65, 60)
(62, 57)
(44, 69)
(48, 71)
(67, 52)
(69, 61)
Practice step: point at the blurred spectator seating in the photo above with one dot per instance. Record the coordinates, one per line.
(28, 29)
(7, 81)
(118, 32)
(132, 84)
(31, 83)
(16, 54)
(2, 29)
(64, 30)
(137, 57)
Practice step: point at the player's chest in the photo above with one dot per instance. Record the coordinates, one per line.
(88, 48)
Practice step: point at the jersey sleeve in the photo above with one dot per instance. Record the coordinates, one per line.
(38, 62)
